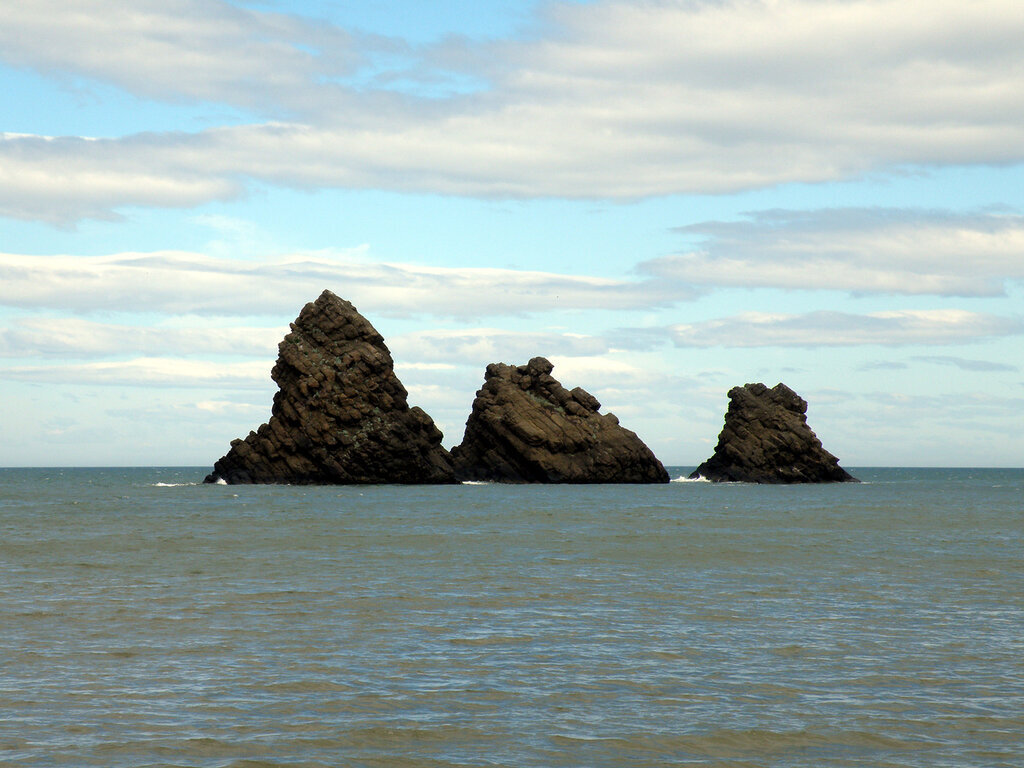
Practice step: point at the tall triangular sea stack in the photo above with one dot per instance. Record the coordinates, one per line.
(340, 415)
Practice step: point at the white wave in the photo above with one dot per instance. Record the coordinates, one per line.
(684, 479)
(170, 485)
(476, 482)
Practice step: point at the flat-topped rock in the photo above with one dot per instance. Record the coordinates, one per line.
(340, 415)
(525, 427)
(766, 439)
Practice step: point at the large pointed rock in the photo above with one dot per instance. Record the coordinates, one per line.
(525, 427)
(340, 415)
(766, 440)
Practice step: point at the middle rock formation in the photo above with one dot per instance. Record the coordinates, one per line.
(525, 427)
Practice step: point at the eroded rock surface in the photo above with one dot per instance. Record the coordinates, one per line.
(766, 439)
(526, 427)
(340, 415)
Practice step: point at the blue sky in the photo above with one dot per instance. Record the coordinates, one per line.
(667, 199)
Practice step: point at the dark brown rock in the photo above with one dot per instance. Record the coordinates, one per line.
(340, 415)
(766, 440)
(525, 427)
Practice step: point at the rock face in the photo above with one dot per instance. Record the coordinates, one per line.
(766, 440)
(525, 427)
(340, 415)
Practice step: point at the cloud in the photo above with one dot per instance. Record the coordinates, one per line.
(147, 372)
(840, 329)
(884, 365)
(980, 366)
(614, 100)
(968, 409)
(964, 364)
(60, 180)
(873, 250)
(174, 282)
(75, 338)
(480, 346)
(203, 50)
(222, 407)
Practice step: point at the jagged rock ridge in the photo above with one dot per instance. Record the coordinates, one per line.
(341, 415)
(526, 427)
(766, 439)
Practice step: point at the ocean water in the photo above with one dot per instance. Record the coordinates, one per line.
(147, 620)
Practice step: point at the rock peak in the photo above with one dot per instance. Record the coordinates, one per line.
(526, 427)
(340, 414)
(322, 320)
(766, 439)
(780, 395)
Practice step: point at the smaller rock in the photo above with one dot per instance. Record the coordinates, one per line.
(766, 439)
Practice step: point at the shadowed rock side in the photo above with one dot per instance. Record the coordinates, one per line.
(766, 440)
(525, 427)
(340, 415)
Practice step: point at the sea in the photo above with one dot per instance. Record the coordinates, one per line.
(149, 620)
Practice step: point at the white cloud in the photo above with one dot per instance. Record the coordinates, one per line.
(858, 250)
(480, 346)
(73, 337)
(206, 50)
(221, 407)
(972, 412)
(147, 372)
(839, 329)
(965, 364)
(61, 180)
(884, 365)
(617, 100)
(188, 283)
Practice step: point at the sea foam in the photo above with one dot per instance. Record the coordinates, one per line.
(684, 479)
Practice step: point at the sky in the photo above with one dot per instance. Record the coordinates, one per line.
(665, 198)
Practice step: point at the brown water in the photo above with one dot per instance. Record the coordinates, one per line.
(147, 623)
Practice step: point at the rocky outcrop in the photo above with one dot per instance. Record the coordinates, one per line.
(766, 440)
(525, 427)
(340, 415)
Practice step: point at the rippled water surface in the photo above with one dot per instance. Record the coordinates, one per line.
(147, 621)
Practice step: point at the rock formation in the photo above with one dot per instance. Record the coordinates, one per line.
(525, 427)
(766, 440)
(340, 415)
